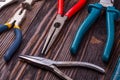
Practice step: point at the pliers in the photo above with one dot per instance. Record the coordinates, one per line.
(51, 65)
(6, 3)
(59, 22)
(95, 10)
(15, 22)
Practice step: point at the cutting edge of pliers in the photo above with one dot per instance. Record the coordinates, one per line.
(106, 3)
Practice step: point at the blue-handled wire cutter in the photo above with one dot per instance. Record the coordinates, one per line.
(14, 22)
(95, 10)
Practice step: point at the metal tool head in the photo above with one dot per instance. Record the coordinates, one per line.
(6, 3)
(18, 17)
(27, 4)
(38, 61)
(107, 3)
(53, 33)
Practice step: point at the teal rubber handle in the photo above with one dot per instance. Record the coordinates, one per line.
(112, 15)
(3, 28)
(116, 73)
(95, 10)
(14, 46)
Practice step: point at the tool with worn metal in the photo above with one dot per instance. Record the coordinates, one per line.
(112, 14)
(52, 65)
(59, 22)
(116, 73)
(15, 22)
(7, 3)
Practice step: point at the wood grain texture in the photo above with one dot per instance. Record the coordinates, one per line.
(35, 30)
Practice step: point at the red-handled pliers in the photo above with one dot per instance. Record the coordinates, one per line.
(59, 22)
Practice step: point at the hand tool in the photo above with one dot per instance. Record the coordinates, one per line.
(14, 22)
(6, 3)
(52, 65)
(59, 22)
(95, 10)
(116, 73)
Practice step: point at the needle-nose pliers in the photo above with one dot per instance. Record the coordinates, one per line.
(52, 65)
(59, 22)
(112, 14)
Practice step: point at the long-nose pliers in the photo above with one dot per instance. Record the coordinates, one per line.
(112, 14)
(51, 65)
(59, 22)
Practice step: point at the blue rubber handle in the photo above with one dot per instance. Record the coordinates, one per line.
(3, 28)
(112, 15)
(15, 45)
(95, 10)
(116, 73)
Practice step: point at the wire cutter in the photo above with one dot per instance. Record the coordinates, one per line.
(51, 65)
(95, 10)
(6, 3)
(59, 22)
(14, 22)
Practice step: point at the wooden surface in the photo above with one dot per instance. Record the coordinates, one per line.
(35, 29)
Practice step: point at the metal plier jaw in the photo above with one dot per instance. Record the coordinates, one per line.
(106, 3)
(18, 17)
(95, 10)
(6, 3)
(52, 65)
(54, 31)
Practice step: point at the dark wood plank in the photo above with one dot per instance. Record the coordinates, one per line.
(35, 29)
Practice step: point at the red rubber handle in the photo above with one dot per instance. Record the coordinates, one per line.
(60, 7)
(75, 8)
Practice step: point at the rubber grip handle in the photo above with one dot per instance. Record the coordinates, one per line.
(112, 15)
(95, 10)
(3, 28)
(11, 50)
(116, 73)
(75, 8)
(60, 7)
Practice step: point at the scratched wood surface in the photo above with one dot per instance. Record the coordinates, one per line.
(35, 29)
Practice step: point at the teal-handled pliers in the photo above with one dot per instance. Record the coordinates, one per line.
(14, 22)
(95, 10)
